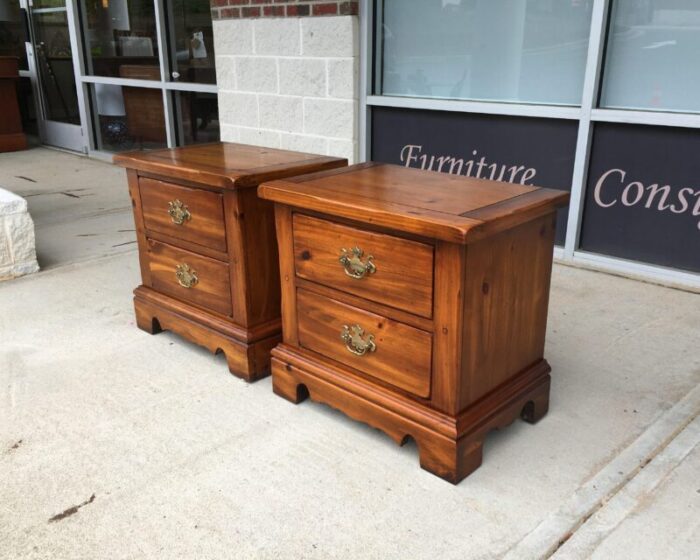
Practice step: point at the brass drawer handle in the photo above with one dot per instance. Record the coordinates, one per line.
(352, 337)
(179, 213)
(353, 265)
(186, 277)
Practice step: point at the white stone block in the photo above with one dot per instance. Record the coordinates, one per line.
(258, 74)
(17, 242)
(330, 36)
(343, 78)
(304, 143)
(240, 109)
(334, 118)
(277, 36)
(299, 76)
(259, 137)
(226, 72)
(229, 133)
(281, 112)
(233, 36)
(343, 148)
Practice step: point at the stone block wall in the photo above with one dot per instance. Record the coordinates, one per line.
(289, 82)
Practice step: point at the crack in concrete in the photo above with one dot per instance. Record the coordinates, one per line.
(15, 446)
(71, 510)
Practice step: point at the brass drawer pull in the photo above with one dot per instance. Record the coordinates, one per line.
(353, 265)
(352, 337)
(179, 213)
(186, 277)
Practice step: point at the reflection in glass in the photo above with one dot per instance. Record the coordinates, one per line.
(27, 106)
(198, 117)
(128, 118)
(54, 60)
(532, 52)
(192, 41)
(12, 32)
(121, 33)
(652, 56)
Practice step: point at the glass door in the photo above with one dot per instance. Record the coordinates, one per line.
(51, 60)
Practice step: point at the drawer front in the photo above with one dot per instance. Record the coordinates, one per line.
(194, 215)
(387, 350)
(390, 270)
(190, 277)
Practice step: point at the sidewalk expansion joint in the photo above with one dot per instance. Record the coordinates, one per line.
(557, 528)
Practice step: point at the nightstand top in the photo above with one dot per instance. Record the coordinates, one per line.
(226, 165)
(437, 205)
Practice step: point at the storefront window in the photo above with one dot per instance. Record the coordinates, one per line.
(121, 39)
(12, 32)
(643, 198)
(193, 41)
(198, 117)
(128, 118)
(652, 56)
(495, 50)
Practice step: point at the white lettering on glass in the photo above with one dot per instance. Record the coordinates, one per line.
(611, 187)
(412, 155)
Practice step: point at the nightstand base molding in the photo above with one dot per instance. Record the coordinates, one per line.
(449, 447)
(247, 357)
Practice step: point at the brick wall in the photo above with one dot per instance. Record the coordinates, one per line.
(229, 9)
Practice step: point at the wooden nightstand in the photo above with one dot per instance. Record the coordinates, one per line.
(207, 245)
(416, 302)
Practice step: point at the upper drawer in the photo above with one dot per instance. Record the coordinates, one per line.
(389, 270)
(194, 215)
(388, 350)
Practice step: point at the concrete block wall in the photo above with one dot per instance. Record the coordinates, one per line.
(289, 82)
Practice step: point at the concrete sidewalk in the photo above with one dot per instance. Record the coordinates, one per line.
(117, 444)
(80, 207)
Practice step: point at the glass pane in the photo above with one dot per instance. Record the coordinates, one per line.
(198, 117)
(652, 56)
(27, 107)
(500, 50)
(54, 60)
(121, 39)
(39, 4)
(12, 32)
(128, 118)
(192, 39)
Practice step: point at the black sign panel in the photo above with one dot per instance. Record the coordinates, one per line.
(643, 195)
(521, 150)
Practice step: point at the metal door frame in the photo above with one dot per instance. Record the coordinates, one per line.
(57, 134)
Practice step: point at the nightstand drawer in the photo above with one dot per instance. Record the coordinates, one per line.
(382, 268)
(193, 215)
(190, 277)
(387, 350)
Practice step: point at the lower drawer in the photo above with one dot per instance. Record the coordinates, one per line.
(387, 350)
(190, 277)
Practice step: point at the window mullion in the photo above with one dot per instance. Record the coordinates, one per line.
(589, 99)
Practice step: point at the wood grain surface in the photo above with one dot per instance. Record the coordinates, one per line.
(212, 291)
(403, 277)
(402, 356)
(206, 225)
